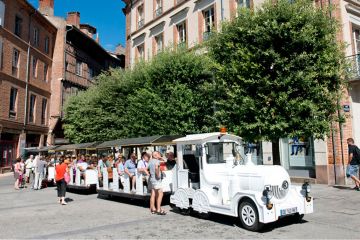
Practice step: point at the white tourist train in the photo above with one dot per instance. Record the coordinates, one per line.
(212, 176)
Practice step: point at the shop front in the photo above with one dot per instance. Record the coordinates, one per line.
(297, 156)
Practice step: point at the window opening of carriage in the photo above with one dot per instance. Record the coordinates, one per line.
(221, 152)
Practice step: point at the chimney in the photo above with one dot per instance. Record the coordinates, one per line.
(46, 7)
(97, 38)
(73, 18)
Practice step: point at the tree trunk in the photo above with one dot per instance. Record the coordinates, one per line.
(276, 152)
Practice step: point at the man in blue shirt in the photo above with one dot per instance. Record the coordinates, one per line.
(130, 169)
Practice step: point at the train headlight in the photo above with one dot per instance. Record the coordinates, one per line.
(307, 188)
(268, 194)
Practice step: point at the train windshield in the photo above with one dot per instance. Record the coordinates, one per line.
(222, 152)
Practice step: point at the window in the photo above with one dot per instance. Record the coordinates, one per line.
(15, 62)
(181, 28)
(222, 152)
(2, 13)
(36, 36)
(18, 22)
(46, 70)
(43, 111)
(13, 98)
(32, 108)
(140, 51)
(47, 42)
(91, 73)
(34, 66)
(243, 3)
(209, 22)
(159, 42)
(79, 68)
(141, 20)
(158, 8)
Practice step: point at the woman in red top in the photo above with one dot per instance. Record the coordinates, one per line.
(61, 169)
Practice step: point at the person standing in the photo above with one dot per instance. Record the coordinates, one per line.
(22, 173)
(352, 170)
(156, 184)
(29, 165)
(39, 173)
(17, 172)
(60, 171)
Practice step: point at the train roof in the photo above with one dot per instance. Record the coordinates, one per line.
(205, 137)
(91, 145)
(140, 141)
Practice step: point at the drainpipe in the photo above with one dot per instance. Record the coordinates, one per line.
(64, 72)
(27, 77)
(130, 59)
(27, 71)
(222, 9)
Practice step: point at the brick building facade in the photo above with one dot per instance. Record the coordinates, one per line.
(78, 58)
(152, 25)
(26, 47)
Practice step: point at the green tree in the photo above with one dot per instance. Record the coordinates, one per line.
(279, 71)
(167, 95)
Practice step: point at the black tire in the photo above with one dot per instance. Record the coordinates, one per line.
(249, 216)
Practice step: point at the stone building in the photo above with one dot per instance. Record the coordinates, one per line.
(152, 25)
(78, 58)
(27, 42)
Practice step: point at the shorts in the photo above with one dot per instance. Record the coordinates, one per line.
(157, 185)
(352, 170)
(16, 175)
(28, 172)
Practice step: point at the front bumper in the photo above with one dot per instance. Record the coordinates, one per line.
(294, 203)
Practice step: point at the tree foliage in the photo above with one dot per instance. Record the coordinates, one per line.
(168, 95)
(279, 71)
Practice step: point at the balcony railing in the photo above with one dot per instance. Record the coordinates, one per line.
(354, 67)
(158, 11)
(206, 36)
(141, 23)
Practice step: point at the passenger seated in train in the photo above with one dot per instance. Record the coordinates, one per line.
(143, 165)
(130, 170)
(82, 165)
(171, 162)
(110, 163)
(121, 170)
(101, 165)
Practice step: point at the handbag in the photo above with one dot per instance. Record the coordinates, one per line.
(67, 178)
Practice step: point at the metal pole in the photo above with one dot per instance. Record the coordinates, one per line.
(334, 153)
(341, 144)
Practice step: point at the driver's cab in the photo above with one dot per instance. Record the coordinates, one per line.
(206, 162)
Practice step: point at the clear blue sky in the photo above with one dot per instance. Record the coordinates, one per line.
(105, 15)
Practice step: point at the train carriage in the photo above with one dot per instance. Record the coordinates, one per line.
(137, 145)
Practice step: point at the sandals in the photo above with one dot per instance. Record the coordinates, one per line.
(153, 211)
(162, 212)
